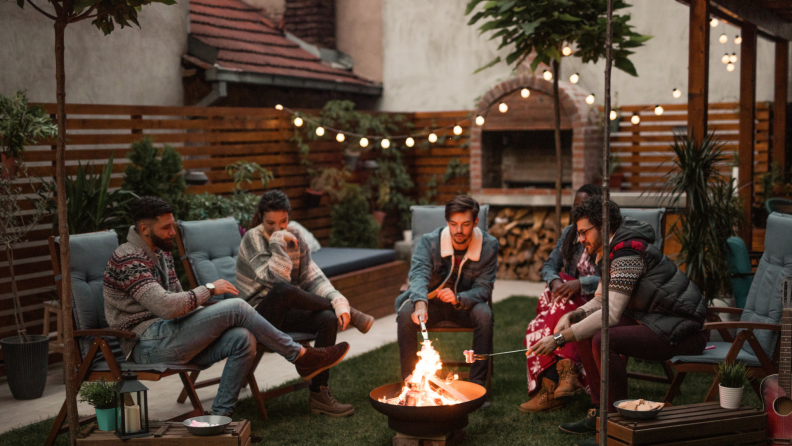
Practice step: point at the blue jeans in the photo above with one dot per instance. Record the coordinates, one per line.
(227, 329)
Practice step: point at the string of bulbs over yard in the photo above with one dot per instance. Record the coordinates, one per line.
(431, 135)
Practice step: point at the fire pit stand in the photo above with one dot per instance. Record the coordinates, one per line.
(452, 439)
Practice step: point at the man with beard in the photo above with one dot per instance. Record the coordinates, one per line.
(143, 295)
(451, 278)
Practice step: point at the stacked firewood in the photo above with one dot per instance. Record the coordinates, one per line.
(526, 236)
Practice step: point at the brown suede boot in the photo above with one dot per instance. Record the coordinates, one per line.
(544, 401)
(324, 402)
(361, 321)
(568, 382)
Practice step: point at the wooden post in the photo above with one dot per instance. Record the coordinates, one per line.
(698, 69)
(747, 128)
(778, 150)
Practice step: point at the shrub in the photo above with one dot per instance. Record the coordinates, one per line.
(156, 173)
(353, 224)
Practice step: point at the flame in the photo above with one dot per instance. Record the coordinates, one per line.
(417, 385)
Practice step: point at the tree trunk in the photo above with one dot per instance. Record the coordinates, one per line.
(18, 317)
(63, 231)
(559, 163)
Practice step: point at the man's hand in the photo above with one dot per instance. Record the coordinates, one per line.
(563, 323)
(343, 321)
(447, 295)
(546, 346)
(420, 313)
(566, 290)
(224, 286)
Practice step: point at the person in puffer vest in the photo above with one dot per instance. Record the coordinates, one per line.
(655, 311)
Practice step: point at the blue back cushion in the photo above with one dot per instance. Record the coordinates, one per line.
(426, 219)
(212, 246)
(739, 264)
(652, 216)
(764, 298)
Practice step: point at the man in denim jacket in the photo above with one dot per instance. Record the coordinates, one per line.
(451, 279)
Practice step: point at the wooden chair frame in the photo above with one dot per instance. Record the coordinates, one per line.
(767, 367)
(258, 397)
(100, 343)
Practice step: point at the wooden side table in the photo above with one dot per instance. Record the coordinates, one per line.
(705, 424)
(173, 434)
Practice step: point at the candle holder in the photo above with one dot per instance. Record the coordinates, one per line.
(131, 408)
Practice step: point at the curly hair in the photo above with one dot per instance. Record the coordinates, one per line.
(149, 208)
(271, 200)
(567, 252)
(591, 210)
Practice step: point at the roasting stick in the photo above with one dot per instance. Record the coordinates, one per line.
(424, 333)
(482, 357)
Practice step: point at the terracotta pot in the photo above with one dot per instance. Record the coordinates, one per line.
(10, 166)
(379, 216)
(616, 180)
(312, 198)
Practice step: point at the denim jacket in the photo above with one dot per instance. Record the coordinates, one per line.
(431, 268)
(555, 263)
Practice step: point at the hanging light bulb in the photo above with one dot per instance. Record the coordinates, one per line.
(479, 120)
(298, 122)
(733, 58)
(340, 137)
(725, 58)
(676, 93)
(278, 107)
(457, 130)
(502, 107)
(635, 119)
(432, 138)
(590, 99)
(525, 92)
(385, 143)
(410, 142)
(574, 78)
(363, 142)
(320, 131)
(613, 115)
(566, 51)
(737, 39)
(723, 38)
(658, 110)
(547, 75)
(730, 67)
(713, 22)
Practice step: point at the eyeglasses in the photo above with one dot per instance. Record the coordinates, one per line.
(582, 233)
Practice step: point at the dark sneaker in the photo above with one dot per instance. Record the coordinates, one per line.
(316, 360)
(591, 441)
(587, 425)
(361, 321)
(324, 402)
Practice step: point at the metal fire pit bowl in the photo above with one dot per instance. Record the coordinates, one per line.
(428, 421)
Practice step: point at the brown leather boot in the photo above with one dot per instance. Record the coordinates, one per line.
(316, 360)
(324, 402)
(361, 321)
(545, 401)
(568, 382)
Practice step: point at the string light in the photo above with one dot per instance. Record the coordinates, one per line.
(525, 92)
(547, 75)
(723, 38)
(574, 78)
(320, 131)
(737, 39)
(725, 58)
(658, 110)
(457, 130)
(676, 93)
(733, 58)
(730, 67)
(298, 122)
(613, 115)
(385, 143)
(590, 99)
(432, 138)
(363, 142)
(502, 107)
(479, 120)
(635, 119)
(713, 22)
(278, 107)
(410, 142)
(566, 51)
(340, 137)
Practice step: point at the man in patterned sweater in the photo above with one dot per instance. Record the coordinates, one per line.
(143, 295)
(276, 275)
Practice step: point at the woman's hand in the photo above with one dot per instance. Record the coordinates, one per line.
(563, 323)
(566, 290)
(343, 321)
(545, 346)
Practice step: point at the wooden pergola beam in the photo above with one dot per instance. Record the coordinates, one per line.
(778, 151)
(751, 11)
(747, 128)
(698, 69)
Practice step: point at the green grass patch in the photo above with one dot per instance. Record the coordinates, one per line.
(292, 424)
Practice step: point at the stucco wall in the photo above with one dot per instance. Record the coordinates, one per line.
(359, 34)
(430, 55)
(130, 66)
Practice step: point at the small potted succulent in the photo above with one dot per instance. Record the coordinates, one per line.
(733, 377)
(101, 395)
(20, 125)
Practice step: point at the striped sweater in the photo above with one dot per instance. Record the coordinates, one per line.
(262, 263)
(141, 287)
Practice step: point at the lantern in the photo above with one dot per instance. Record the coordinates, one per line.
(131, 409)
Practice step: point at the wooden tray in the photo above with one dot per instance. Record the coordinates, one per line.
(174, 434)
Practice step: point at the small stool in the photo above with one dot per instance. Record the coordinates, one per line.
(54, 306)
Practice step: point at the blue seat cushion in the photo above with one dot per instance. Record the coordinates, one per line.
(717, 356)
(212, 247)
(336, 261)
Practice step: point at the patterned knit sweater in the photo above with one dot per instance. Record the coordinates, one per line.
(262, 263)
(141, 287)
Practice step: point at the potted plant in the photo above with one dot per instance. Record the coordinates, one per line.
(328, 180)
(616, 178)
(101, 395)
(733, 377)
(353, 224)
(25, 355)
(20, 125)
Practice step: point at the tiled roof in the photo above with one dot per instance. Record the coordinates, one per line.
(249, 42)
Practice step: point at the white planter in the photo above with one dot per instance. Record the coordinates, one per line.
(408, 235)
(730, 397)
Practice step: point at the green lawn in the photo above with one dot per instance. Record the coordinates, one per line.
(291, 423)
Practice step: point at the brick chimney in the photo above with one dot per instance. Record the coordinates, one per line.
(312, 21)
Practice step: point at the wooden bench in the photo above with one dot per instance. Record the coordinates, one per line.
(373, 290)
(173, 434)
(704, 424)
